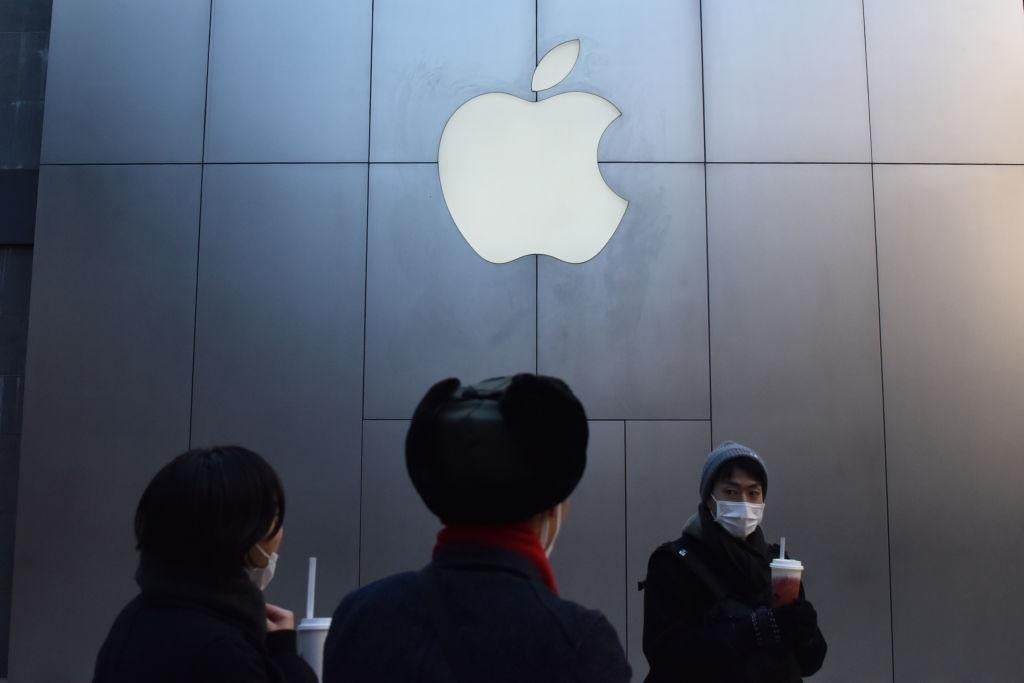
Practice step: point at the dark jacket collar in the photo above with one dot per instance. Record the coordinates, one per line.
(235, 599)
(486, 559)
(703, 528)
(742, 564)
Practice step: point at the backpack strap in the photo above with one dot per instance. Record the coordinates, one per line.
(696, 567)
(699, 569)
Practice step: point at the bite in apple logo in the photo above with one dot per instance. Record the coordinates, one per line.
(521, 177)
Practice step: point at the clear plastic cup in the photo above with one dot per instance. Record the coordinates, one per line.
(785, 581)
(312, 634)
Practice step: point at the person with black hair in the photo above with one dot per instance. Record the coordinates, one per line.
(208, 528)
(707, 597)
(495, 462)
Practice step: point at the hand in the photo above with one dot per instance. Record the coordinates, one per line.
(797, 621)
(279, 619)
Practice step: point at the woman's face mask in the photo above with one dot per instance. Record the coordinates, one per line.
(262, 576)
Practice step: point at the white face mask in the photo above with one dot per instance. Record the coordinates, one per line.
(547, 536)
(262, 576)
(739, 519)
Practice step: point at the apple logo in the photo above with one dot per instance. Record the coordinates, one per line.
(521, 177)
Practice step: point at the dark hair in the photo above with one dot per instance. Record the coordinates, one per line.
(745, 466)
(206, 508)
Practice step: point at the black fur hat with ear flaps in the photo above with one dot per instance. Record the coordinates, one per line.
(496, 452)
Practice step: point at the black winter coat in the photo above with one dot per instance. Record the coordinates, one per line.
(692, 632)
(185, 632)
(474, 614)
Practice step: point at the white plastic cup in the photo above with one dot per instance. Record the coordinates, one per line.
(786, 576)
(312, 634)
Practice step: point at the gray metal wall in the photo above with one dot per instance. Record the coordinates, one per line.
(241, 237)
(24, 39)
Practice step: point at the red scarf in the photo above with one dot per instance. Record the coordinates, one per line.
(519, 538)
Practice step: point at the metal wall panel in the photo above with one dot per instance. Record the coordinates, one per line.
(126, 81)
(951, 254)
(107, 402)
(785, 81)
(629, 329)
(279, 347)
(945, 80)
(431, 57)
(398, 531)
(289, 82)
(434, 308)
(645, 59)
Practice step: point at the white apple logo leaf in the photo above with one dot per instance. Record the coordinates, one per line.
(521, 177)
(556, 65)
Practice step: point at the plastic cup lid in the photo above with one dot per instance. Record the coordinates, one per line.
(779, 563)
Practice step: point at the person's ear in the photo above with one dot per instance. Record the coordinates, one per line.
(551, 516)
(255, 558)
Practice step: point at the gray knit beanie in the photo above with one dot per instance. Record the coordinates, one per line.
(725, 452)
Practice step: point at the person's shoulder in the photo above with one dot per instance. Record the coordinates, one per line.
(578, 622)
(668, 554)
(676, 566)
(667, 548)
(387, 586)
(572, 610)
(599, 655)
(390, 590)
(196, 620)
(142, 632)
(135, 609)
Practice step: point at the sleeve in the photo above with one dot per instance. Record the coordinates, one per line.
(680, 633)
(810, 654)
(283, 649)
(230, 660)
(234, 660)
(600, 658)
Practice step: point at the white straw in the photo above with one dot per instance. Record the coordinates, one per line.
(311, 588)
(782, 548)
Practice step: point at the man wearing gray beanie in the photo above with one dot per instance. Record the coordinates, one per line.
(708, 612)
